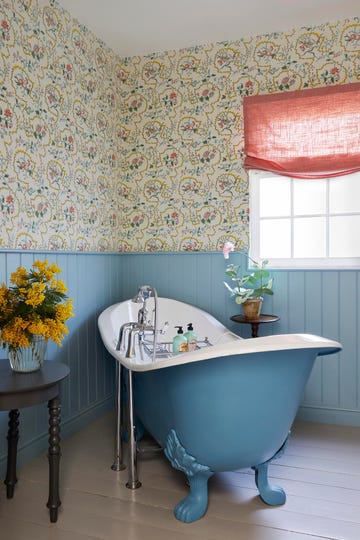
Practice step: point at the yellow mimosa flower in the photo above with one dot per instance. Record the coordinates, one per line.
(36, 304)
(58, 285)
(19, 277)
(41, 265)
(35, 295)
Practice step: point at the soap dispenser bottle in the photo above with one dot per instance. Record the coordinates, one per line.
(191, 337)
(180, 343)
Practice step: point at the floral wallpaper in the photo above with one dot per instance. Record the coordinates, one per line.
(59, 107)
(139, 154)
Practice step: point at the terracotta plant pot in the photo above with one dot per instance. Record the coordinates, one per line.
(252, 308)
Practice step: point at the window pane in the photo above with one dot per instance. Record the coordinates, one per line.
(275, 238)
(305, 223)
(309, 237)
(344, 194)
(309, 196)
(275, 197)
(344, 236)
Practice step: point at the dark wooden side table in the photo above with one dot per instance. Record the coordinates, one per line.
(18, 390)
(255, 322)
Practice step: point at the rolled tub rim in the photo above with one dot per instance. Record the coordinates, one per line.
(240, 347)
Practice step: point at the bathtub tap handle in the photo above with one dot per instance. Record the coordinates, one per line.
(142, 313)
(164, 328)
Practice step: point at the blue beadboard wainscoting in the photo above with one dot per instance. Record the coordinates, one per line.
(94, 283)
(318, 302)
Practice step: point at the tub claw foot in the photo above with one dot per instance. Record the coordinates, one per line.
(194, 506)
(269, 493)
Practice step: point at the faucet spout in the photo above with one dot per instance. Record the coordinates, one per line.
(131, 343)
(124, 330)
(130, 330)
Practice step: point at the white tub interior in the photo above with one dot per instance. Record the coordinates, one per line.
(223, 341)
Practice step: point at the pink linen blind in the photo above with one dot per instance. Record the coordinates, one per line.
(306, 133)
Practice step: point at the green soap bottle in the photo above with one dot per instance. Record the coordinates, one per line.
(180, 343)
(191, 337)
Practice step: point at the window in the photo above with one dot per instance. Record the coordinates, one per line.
(298, 223)
(302, 151)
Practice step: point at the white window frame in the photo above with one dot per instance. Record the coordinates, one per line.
(288, 263)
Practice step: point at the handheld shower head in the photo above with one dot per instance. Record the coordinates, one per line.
(138, 298)
(144, 292)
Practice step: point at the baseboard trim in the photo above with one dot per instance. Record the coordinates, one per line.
(30, 450)
(328, 415)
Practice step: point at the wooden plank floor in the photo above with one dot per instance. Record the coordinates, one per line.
(320, 473)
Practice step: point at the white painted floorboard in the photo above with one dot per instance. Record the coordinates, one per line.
(320, 472)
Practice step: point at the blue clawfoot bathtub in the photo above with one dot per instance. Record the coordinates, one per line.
(221, 407)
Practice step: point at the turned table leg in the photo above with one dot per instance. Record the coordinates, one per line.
(12, 437)
(254, 329)
(54, 457)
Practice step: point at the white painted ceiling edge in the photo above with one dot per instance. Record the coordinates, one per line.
(141, 27)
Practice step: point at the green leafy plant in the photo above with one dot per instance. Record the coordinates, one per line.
(252, 284)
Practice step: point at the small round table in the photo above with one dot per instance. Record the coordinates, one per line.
(18, 390)
(255, 322)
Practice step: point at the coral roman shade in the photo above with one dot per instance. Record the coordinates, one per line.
(305, 134)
